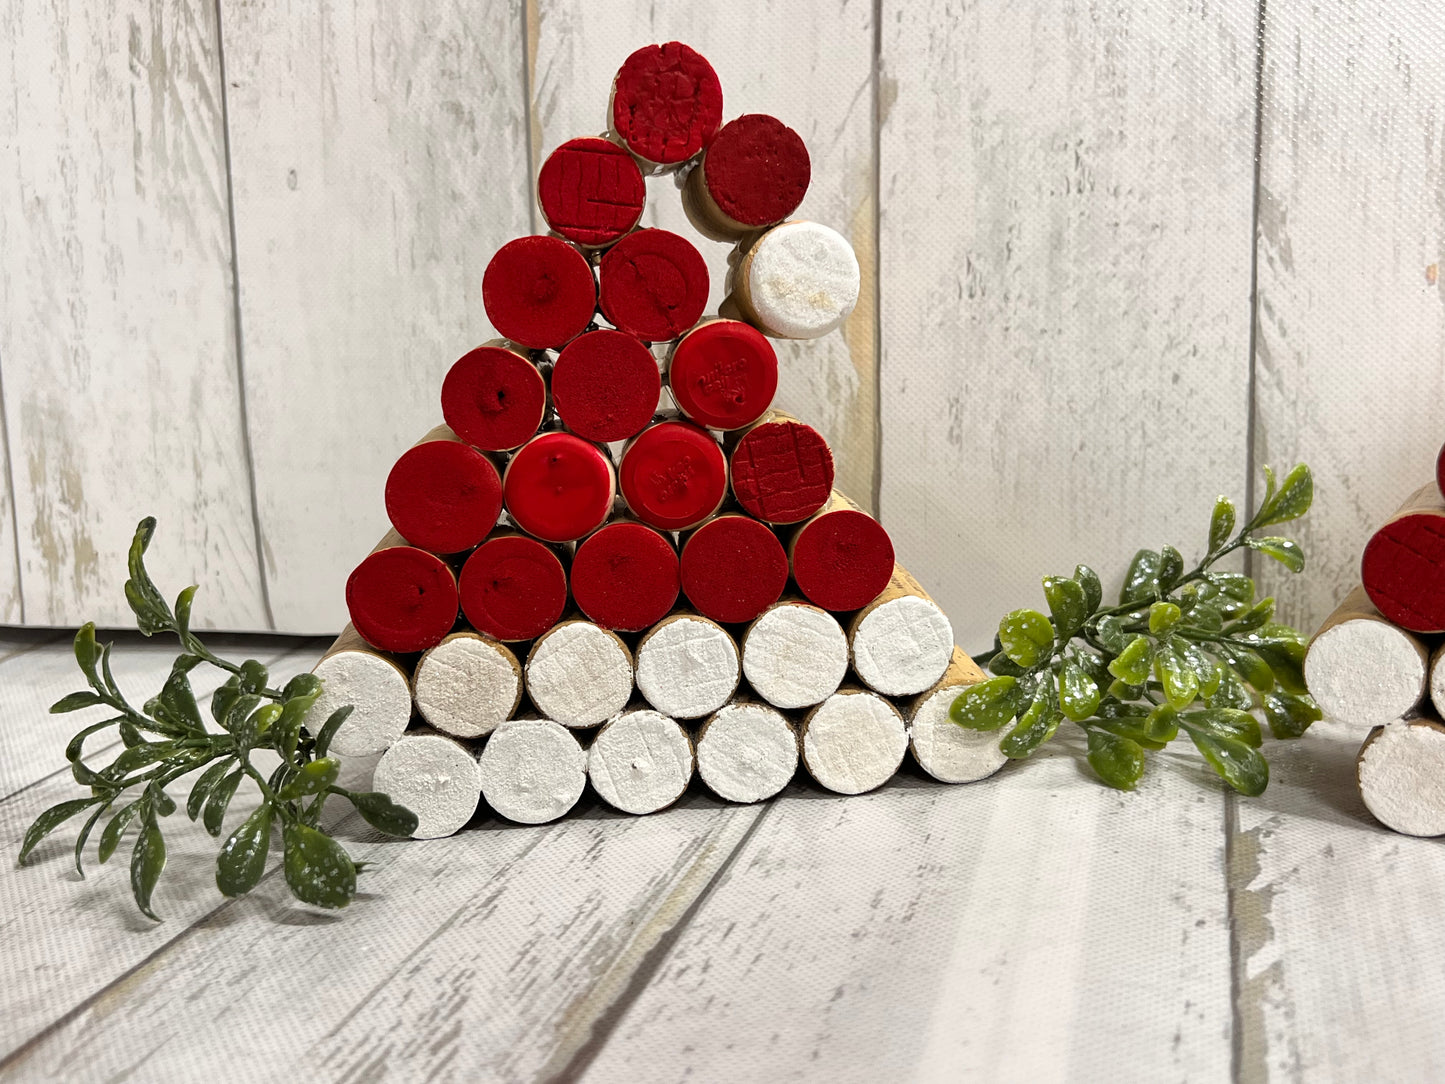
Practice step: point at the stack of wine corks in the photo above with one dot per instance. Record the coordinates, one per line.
(616, 564)
(1375, 664)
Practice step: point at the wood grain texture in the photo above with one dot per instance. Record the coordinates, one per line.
(1065, 211)
(1350, 358)
(378, 158)
(12, 609)
(809, 64)
(927, 932)
(116, 332)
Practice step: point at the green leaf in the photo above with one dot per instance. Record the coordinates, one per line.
(1284, 550)
(239, 711)
(183, 609)
(1163, 616)
(1002, 664)
(312, 778)
(75, 702)
(1141, 581)
(1287, 662)
(1255, 617)
(1162, 725)
(383, 814)
(1078, 692)
(201, 789)
(49, 821)
(87, 653)
(130, 734)
(1221, 524)
(331, 726)
(985, 706)
(1227, 724)
(1171, 567)
(1026, 636)
(1249, 666)
(224, 698)
(1289, 716)
(138, 756)
(77, 744)
(1235, 585)
(176, 703)
(1231, 693)
(161, 802)
(1242, 767)
(151, 613)
(1068, 604)
(1088, 579)
(318, 870)
(1111, 633)
(1206, 617)
(1132, 665)
(1117, 761)
(220, 797)
(257, 725)
(302, 686)
(1180, 684)
(115, 829)
(253, 677)
(146, 862)
(1037, 726)
(85, 835)
(1296, 494)
(242, 860)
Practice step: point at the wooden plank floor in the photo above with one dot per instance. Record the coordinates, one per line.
(1031, 927)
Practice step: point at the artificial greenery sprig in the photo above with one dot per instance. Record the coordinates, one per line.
(1190, 651)
(168, 738)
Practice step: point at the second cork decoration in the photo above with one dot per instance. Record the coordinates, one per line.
(616, 561)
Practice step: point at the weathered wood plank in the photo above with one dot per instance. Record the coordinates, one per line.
(378, 159)
(116, 330)
(1339, 957)
(1350, 361)
(1065, 229)
(812, 66)
(12, 609)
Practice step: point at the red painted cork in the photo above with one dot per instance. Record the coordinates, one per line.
(559, 487)
(513, 588)
(494, 398)
(402, 599)
(782, 471)
(591, 191)
(842, 558)
(1403, 570)
(605, 385)
(756, 171)
(653, 285)
(673, 476)
(625, 577)
(724, 374)
(666, 103)
(733, 568)
(539, 291)
(443, 496)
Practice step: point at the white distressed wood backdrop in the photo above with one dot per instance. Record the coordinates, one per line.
(1115, 257)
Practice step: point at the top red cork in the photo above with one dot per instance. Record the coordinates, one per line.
(494, 398)
(591, 191)
(539, 291)
(625, 577)
(513, 588)
(733, 568)
(724, 374)
(1403, 570)
(559, 487)
(654, 285)
(673, 476)
(443, 496)
(782, 471)
(842, 559)
(756, 171)
(605, 385)
(402, 599)
(666, 103)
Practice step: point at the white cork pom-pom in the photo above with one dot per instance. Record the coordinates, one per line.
(380, 698)
(579, 674)
(853, 741)
(435, 777)
(1401, 772)
(467, 685)
(640, 762)
(948, 752)
(795, 655)
(533, 770)
(1365, 672)
(902, 646)
(687, 666)
(802, 280)
(747, 752)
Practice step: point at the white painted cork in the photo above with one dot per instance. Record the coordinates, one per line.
(380, 698)
(533, 770)
(1365, 672)
(902, 646)
(579, 674)
(747, 752)
(687, 666)
(800, 280)
(467, 685)
(948, 752)
(640, 762)
(795, 655)
(854, 741)
(435, 777)
(1437, 678)
(1401, 773)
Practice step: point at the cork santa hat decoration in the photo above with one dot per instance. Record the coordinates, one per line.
(616, 560)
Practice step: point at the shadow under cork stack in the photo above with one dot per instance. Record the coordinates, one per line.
(617, 560)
